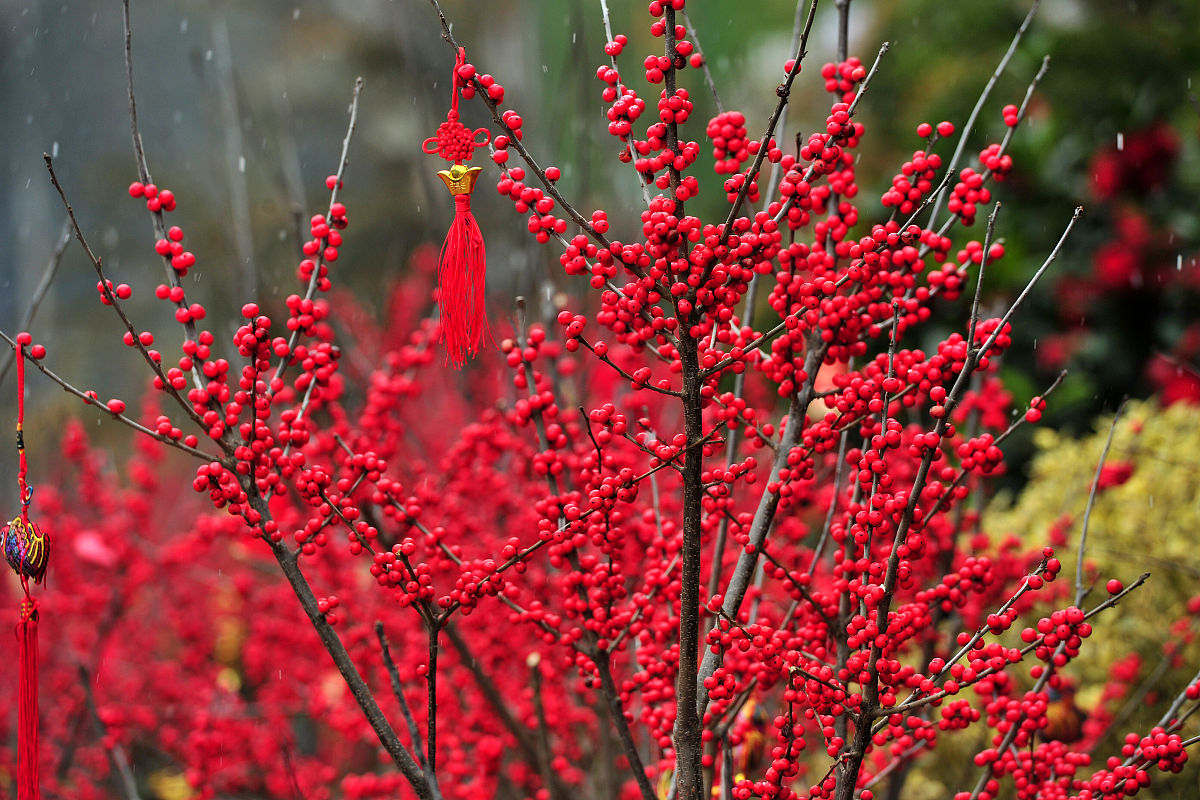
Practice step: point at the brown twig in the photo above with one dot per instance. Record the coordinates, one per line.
(422, 785)
(92, 401)
(783, 91)
(155, 366)
(398, 690)
(39, 293)
(1080, 589)
(333, 199)
(117, 757)
(983, 98)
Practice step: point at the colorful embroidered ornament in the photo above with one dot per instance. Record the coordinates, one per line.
(28, 552)
(462, 272)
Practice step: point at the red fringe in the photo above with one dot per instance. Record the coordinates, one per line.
(462, 278)
(27, 708)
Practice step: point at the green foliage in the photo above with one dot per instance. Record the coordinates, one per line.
(1147, 523)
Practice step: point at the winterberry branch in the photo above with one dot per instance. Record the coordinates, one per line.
(839, 470)
(319, 260)
(522, 555)
(495, 698)
(1016, 304)
(983, 98)
(91, 399)
(627, 376)
(708, 78)
(516, 144)
(1173, 709)
(908, 705)
(543, 728)
(764, 515)
(856, 750)
(642, 184)
(891, 373)
(1026, 586)
(432, 705)
(111, 299)
(782, 91)
(787, 323)
(799, 587)
(398, 691)
(345, 665)
(156, 216)
(616, 710)
(943, 503)
(811, 172)
(1134, 702)
(987, 173)
(986, 256)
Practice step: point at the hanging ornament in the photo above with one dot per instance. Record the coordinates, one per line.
(28, 552)
(462, 271)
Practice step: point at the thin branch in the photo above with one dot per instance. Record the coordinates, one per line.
(239, 198)
(117, 757)
(359, 689)
(987, 241)
(642, 183)
(431, 708)
(333, 199)
(1080, 589)
(764, 515)
(983, 98)
(495, 698)
(811, 172)
(539, 711)
(111, 298)
(39, 294)
(708, 78)
(1012, 309)
(798, 20)
(843, 28)
(93, 401)
(909, 705)
(616, 711)
(394, 676)
(783, 90)
(156, 217)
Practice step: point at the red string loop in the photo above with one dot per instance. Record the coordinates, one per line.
(27, 550)
(463, 263)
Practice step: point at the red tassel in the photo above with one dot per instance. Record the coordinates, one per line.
(462, 273)
(27, 706)
(462, 276)
(27, 551)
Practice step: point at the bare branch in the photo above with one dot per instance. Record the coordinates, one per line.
(1080, 589)
(965, 132)
(51, 269)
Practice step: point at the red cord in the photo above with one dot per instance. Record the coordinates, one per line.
(27, 691)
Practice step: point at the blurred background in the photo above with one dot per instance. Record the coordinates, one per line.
(243, 110)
